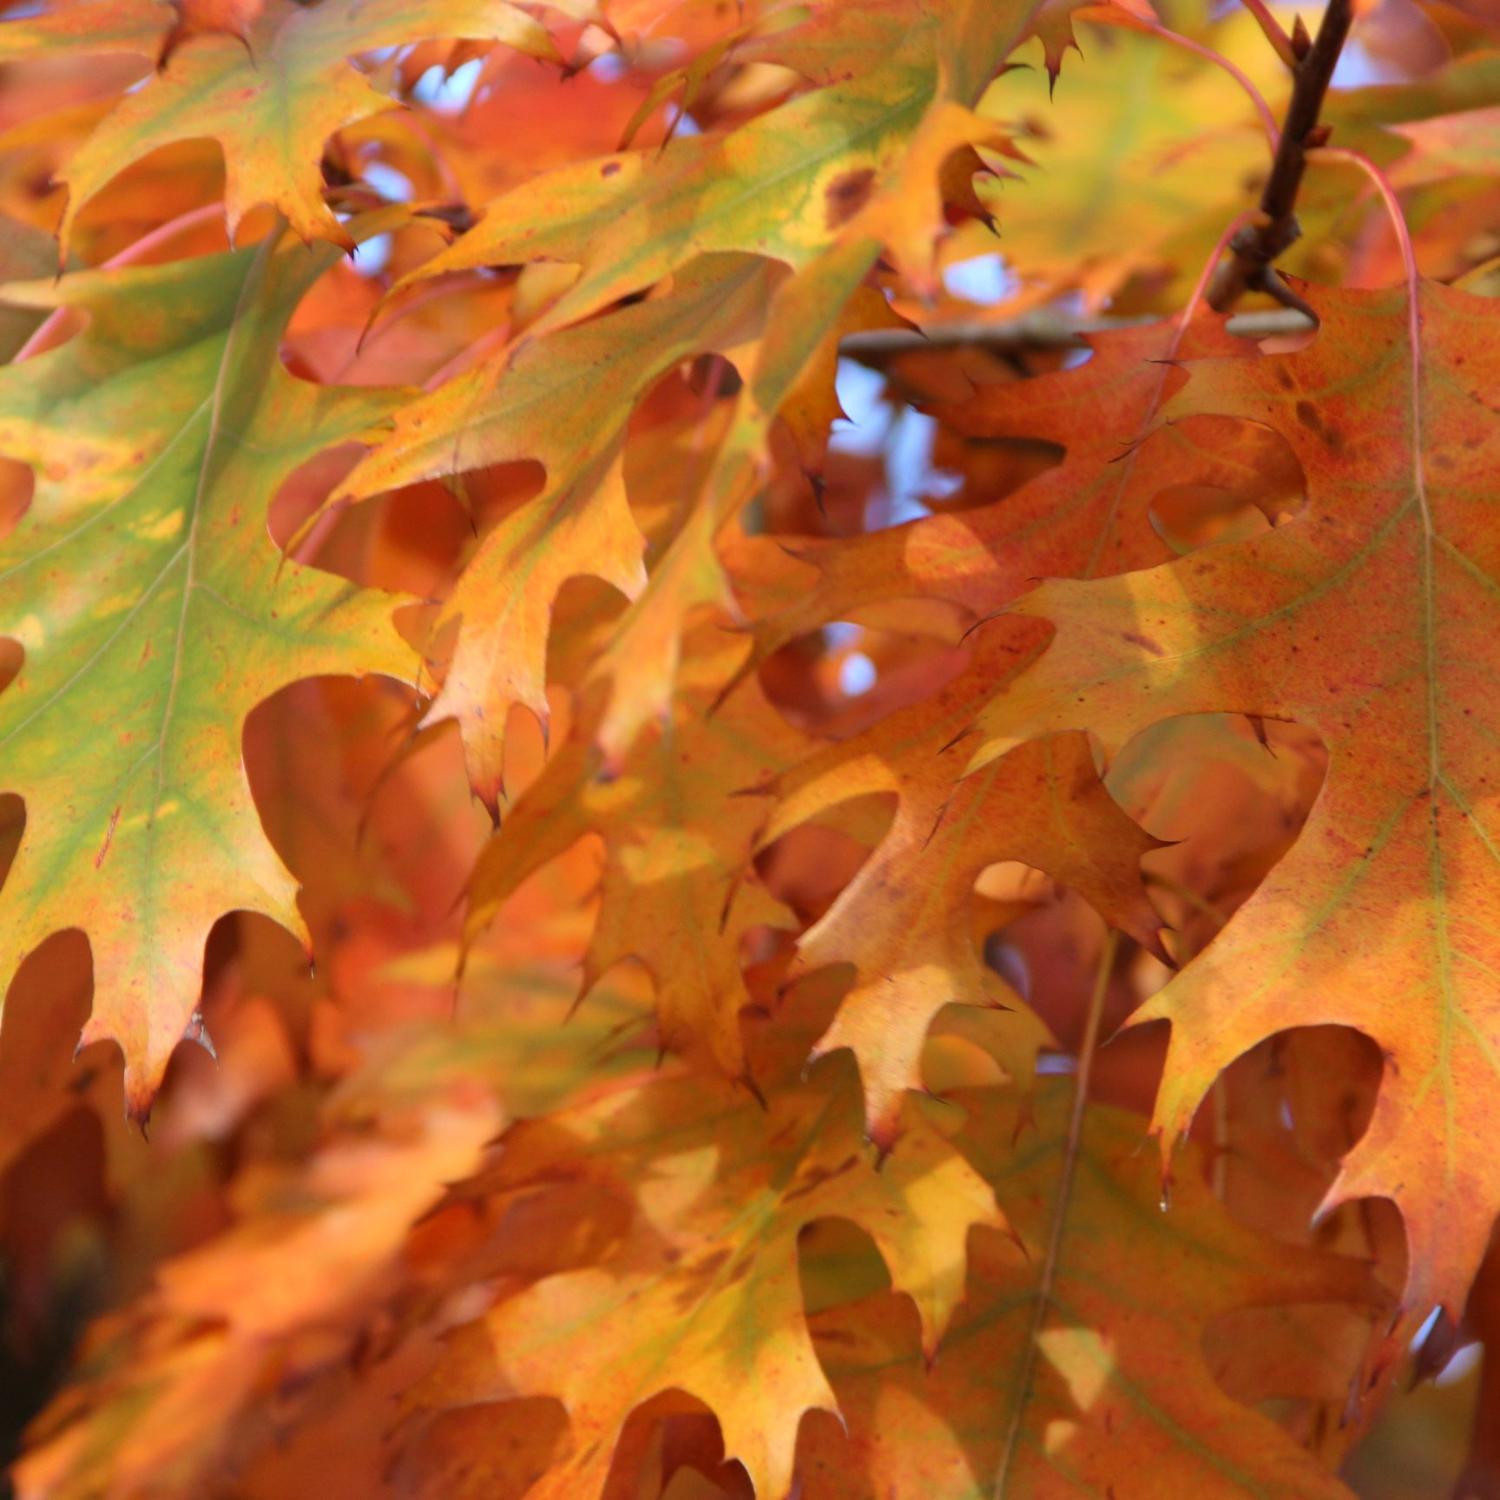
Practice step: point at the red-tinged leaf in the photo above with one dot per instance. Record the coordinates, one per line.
(1448, 146)
(1366, 619)
(1089, 515)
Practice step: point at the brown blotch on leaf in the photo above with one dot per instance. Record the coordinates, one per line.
(1307, 415)
(818, 1176)
(847, 194)
(705, 1270)
(1312, 419)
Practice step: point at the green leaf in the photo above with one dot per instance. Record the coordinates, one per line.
(155, 612)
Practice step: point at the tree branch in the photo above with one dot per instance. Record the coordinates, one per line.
(1257, 247)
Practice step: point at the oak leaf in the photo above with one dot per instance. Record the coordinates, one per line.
(87, 26)
(227, 1352)
(823, 183)
(246, 1344)
(873, 158)
(565, 402)
(1078, 218)
(856, 161)
(1367, 619)
(1053, 25)
(676, 893)
(903, 922)
(271, 84)
(154, 613)
(790, 368)
(1088, 515)
(701, 1293)
(1447, 146)
(1076, 1358)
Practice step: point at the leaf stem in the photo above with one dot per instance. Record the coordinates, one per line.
(1060, 1204)
(1279, 40)
(1132, 22)
(1257, 247)
(1388, 199)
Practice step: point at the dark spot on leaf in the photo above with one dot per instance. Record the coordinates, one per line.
(835, 1336)
(1307, 415)
(818, 1176)
(847, 194)
(705, 1270)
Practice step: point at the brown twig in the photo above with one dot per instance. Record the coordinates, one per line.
(1041, 329)
(1257, 247)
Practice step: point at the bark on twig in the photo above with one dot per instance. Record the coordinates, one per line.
(1257, 246)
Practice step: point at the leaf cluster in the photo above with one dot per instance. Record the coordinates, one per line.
(747, 750)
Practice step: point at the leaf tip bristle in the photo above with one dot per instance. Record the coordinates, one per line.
(138, 1103)
(1015, 1237)
(755, 1091)
(197, 1031)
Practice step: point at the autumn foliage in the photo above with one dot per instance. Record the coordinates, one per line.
(749, 748)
